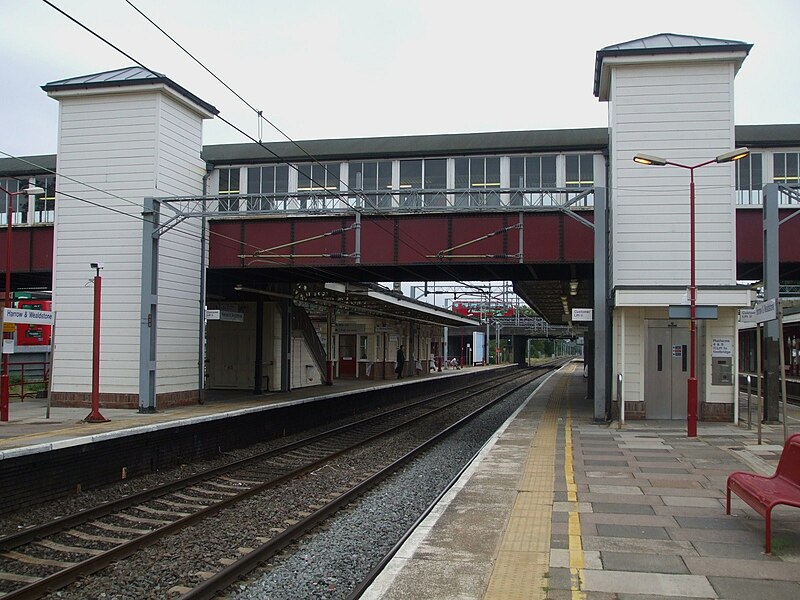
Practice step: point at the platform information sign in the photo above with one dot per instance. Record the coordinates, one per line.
(581, 314)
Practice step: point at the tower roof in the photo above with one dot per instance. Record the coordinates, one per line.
(665, 43)
(128, 76)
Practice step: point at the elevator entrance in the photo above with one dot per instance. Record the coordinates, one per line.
(666, 369)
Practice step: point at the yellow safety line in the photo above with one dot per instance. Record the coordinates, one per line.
(576, 564)
(522, 562)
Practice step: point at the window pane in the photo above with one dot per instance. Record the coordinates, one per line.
(303, 178)
(282, 179)
(436, 173)
(331, 176)
(548, 171)
(572, 170)
(254, 180)
(586, 169)
(779, 166)
(385, 175)
(517, 172)
(476, 174)
(411, 174)
(493, 171)
(462, 173)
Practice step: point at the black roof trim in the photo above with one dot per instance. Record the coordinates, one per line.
(11, 167)
(664, 43)
(453, 144)
(513, 142)
(128, 76)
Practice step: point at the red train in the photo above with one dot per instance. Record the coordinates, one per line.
(34, 335)
(480, 310)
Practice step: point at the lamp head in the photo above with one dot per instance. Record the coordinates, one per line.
(33, 190)
(648, 159)
(733, 155)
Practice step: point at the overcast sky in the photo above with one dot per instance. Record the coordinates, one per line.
(352, 68)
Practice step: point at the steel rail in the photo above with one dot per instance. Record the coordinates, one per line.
(231, 574)
(91, 565)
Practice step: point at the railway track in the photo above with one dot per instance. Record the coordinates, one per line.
(55, 554)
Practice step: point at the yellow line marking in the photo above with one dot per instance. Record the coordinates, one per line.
(522, 562)
(576, 564)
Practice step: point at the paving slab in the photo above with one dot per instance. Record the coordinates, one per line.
(695, 501)
(625, 508)
(662, 584)
(647, 563)
(710, 523)
(743, 569)
(625, 490)
(732, 588)
(640, 532)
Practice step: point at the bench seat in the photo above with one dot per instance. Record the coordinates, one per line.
(765, 493)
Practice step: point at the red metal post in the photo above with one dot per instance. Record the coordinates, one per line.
(691, 390)
(95, 416)
(4, 382)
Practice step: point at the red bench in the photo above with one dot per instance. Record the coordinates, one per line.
(764, 493)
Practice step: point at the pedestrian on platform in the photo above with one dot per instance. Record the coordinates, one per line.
(401, 361)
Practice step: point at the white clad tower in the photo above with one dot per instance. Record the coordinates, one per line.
(124, 136)
(672, 96)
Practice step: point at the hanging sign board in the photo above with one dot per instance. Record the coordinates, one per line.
(761, 312)
(581, 314)
(701, 311)
(28, 316)
(224, 315)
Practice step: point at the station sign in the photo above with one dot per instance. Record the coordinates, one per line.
(761, 312)
(28, 316)
(581, 314)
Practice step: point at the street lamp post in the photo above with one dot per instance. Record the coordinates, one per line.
(656, 161)
(4, 384)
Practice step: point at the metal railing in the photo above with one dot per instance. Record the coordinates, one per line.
(30, 375)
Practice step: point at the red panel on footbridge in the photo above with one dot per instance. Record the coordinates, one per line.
(402, 239)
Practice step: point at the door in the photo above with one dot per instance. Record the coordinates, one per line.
(347, 356)
(666, 370)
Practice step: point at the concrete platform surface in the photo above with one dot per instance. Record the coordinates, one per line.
(557, 507)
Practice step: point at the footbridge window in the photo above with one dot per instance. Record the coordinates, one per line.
(375, 177)
(229, 190)
(532, 173)
(749, 179)
(479, 178)
(422, 183)
(580, 174)
(44, 205)
(318, 186)
(267, 187)
(786, 168)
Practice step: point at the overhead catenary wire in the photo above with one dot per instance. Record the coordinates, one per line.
(419, 248)
(261, 117)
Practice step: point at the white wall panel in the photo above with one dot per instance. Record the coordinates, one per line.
(683, 112)
(131, 145)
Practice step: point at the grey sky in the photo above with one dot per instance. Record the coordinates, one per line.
(352, 68)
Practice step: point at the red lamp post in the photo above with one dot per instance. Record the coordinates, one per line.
(691, 388)
(4, 384)
(95, 416)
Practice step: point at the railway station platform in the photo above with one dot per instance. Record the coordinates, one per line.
(557, 507)
(29, 428)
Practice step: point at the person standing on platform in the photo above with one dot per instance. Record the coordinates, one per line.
(401, 361)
